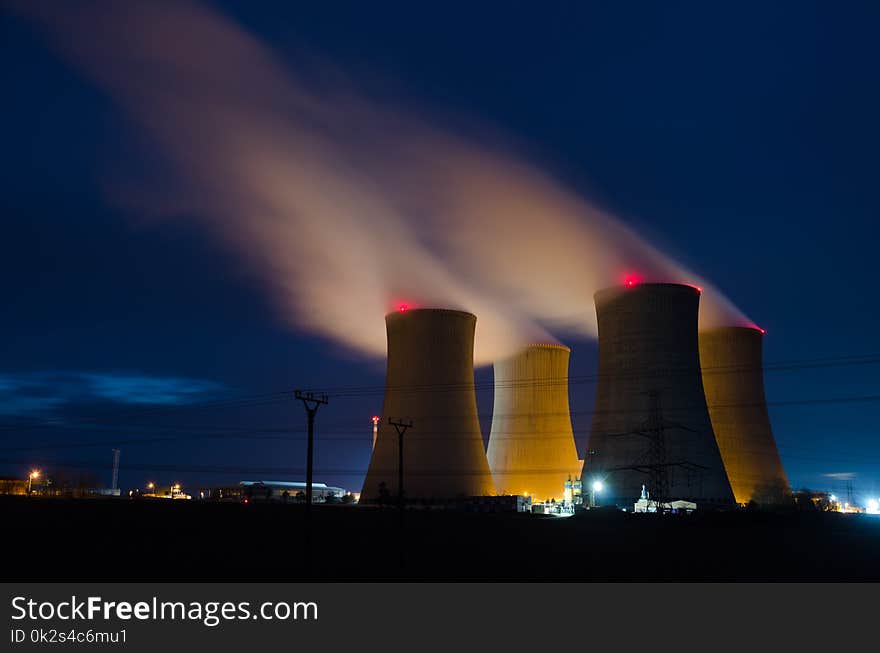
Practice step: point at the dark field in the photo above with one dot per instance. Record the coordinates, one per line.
(112, 540)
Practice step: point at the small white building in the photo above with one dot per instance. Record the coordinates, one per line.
(649, 505)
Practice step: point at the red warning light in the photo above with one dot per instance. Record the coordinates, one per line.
(631, 280)
(375, 419)
(403, 308)
(763, 331)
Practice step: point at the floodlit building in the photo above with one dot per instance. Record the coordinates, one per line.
(647, 505)
(282, 491)
(430, 382)
(290, 490)
(174, 491)
(650, 423)
(574, 487)
(531, 444)
(12, 485)
(733, 379)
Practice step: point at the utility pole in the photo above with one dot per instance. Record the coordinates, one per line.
(655, 432)
(311, 403)
(593, 475)
(657, 466)
(400, 426)
(114, 479)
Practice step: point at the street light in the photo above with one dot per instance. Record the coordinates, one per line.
(151, 486)
(34, 474)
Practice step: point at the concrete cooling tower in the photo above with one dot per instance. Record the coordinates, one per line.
(734, 383)
(531, 445)
(651, 426)
(430, 381)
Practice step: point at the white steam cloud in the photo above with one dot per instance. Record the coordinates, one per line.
(345, 207)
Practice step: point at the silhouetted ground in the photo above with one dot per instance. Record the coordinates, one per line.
(119, 539)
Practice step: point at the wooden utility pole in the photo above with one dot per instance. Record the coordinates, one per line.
(311, 403)
(400, 426)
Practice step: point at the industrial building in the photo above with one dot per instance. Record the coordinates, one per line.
(290, 490)
(731, 359)
(429, 382)
(531, 445)
(650, 423)
(283, 491)
(12, 485)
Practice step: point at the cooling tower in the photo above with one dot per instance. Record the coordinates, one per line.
(430, 381)
(531, 445)
(734, 383)
(651, 425)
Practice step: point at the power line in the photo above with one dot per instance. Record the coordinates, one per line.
(253, 432)
(356, 391)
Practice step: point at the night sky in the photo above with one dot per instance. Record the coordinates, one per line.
(741, 139)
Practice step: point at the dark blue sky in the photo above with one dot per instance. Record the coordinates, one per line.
(741, 139)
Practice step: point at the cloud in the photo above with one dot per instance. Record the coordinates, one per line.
(344, 205)
(840, 476)
(148, 390)
(37, 393)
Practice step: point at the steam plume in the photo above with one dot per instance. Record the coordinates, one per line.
(343, 206)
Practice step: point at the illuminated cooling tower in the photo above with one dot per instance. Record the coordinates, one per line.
(651, 425)
(531, 445)
(430, 381)
(734, 383)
